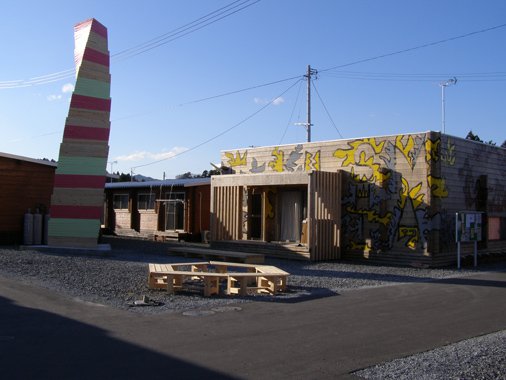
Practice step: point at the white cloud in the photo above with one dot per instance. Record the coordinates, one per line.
(67, 87)
(53, 97)
(153, 156)
(278, 101)
(275, 102)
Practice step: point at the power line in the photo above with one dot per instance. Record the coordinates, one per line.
(171, 32)
(223, 132)
(184, 30)
(291, 114)
(326, 110)
(200, 100)
(195, 25)
(434, 43)
(396, 77)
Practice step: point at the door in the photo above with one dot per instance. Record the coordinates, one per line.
(255, 217)
(291, 215)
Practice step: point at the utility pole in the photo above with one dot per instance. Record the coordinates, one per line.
(112, 163)
(307, 124)
(443, 85)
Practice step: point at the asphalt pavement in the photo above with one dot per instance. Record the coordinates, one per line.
(46, 335)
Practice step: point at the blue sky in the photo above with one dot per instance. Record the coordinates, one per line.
(154, 115)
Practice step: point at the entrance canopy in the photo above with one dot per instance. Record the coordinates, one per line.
(299, 207)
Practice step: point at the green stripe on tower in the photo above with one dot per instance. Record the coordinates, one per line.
(82, 165)
(92, 87)
(66, 227)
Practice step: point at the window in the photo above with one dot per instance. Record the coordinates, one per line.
(120, 201)
(146, 201)
(174, 211)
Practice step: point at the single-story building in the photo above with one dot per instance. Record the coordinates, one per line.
(26, 187)
(386, 198)
(172, 207)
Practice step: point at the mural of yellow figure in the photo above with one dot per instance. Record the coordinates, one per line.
(432, 150)
(412, 233)
(376, 175)
(236, 160)
(412, 194)
(277, 163)
(449, 156)
(372, 216)
(407, 149)
(437, 186)
(312, 159)
(349, 158)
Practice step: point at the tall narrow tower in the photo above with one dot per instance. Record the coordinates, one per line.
(78, 194)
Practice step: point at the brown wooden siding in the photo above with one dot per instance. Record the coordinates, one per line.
(24, 185)
(196, 210)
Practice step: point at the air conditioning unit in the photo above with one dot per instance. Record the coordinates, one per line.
(206, 236)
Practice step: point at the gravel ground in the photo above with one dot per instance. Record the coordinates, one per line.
(478, 358)
(118, 278)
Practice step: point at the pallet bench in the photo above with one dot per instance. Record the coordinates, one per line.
(257, 278)
(245, 257)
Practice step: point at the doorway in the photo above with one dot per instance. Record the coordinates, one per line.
(291, 210)
(255, 217)
(174, 212)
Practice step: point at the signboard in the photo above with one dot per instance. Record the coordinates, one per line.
(468, 226)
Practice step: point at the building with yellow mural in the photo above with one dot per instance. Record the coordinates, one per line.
(384, 198)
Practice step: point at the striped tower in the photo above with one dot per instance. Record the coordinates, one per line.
(78, 194)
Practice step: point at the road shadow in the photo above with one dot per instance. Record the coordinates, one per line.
(36, 344)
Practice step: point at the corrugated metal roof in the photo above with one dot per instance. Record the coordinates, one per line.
(186, 182)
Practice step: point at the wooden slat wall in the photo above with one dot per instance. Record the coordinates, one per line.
(324, 212)
(226, 207)
(24, 185)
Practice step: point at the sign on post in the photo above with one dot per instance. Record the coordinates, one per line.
(468, 228)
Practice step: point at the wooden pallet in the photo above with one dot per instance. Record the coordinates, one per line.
(245, 257)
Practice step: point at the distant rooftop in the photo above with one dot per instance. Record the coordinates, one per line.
(28, 159)
(185, 182)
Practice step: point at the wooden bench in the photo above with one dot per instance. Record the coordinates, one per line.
(169, 277)
(257, 278)
(245, 257)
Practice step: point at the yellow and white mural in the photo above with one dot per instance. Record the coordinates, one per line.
(400, 192)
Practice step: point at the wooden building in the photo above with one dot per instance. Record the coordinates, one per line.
(26, 185)
(170, 208)
(387, 198)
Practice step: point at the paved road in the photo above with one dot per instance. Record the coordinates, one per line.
(44, 335)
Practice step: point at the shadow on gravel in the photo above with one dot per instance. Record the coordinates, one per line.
(42, 345)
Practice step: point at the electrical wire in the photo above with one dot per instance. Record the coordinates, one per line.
(291, 114)
(429, 44)
(184, 31)
(200, 23)
(222, 132)
(171, 32)
(326, 110)
(200, 100)
(396, 77)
